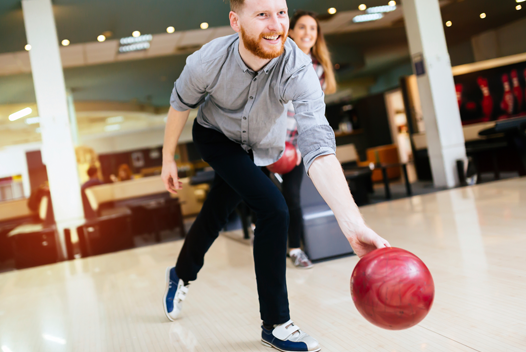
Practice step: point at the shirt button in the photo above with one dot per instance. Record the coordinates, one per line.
(244, 117)
(251, 97)
(255, 79)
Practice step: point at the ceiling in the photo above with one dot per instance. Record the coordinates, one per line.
(361, 50)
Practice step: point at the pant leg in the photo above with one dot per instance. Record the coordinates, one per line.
(236, 169)
(220, 202)
(290, 188)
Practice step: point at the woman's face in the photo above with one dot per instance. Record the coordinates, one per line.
(305, 33)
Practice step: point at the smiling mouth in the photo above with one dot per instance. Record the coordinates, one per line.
(272, 37)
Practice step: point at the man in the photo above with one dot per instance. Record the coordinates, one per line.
(241, 84)
(93, 180)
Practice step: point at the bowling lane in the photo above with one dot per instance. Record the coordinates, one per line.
(472, 239)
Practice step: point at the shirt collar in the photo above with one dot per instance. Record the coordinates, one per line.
(245, 68)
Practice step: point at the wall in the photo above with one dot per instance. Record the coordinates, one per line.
(13, 162)
(504, 41)
(391, 78)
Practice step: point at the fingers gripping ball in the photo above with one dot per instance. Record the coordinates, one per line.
(287, 162)
(392, 288)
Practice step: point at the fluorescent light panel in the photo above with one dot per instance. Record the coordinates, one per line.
(32, 120)
(112, 128)
(380, 9)
(367, 18)
(114, 119)
(19, 114)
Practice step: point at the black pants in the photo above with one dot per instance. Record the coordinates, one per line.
(238, 178)
(290, 187)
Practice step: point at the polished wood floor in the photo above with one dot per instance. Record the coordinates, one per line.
(472, 239)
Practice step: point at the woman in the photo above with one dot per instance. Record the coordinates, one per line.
(306, 32)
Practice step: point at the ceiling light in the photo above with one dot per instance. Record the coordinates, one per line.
(362, 7)
(449, 23)
(170, 29)
(367, 18)
(520, 0)
(380, 9)
(392, 3)
(518, 7)
(19, 114)
(65, 42)
(27, 47)
(109, 128)
(32, 120)
(332, 10)
(114, 119)
(136, 34)
(483, 15)
(101, 38)
(204, 25)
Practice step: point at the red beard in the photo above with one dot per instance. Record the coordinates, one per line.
(253, 45)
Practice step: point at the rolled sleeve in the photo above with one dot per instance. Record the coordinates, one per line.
(315, 136)
(189, 89)
(315, 142)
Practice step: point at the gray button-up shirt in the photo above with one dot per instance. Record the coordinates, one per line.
(248, 107)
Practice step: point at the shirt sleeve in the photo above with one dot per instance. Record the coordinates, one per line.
(315, 136)
(189, 90)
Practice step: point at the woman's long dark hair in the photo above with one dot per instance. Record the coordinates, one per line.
(319, 50)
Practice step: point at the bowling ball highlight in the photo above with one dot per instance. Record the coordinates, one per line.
(392, 288)
(287, 162)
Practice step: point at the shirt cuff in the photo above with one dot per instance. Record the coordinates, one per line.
(315, 142)
(309, 158)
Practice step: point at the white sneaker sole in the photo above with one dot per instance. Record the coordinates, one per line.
(265, 343)
(167, 279)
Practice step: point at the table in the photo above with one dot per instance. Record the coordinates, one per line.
(384, 168)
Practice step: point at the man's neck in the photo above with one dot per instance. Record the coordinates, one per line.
(252, 61)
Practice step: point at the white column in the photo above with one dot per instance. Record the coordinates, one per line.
(432, 65)
(58, 151)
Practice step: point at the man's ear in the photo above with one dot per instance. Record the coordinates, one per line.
(234, 21)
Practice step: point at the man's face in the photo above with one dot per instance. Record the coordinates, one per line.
(263, 25)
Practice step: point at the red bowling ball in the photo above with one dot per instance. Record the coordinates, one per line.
(287, 162)
(392, 288)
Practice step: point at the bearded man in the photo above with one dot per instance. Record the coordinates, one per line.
(241, 84)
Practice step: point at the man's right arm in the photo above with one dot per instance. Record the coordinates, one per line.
(174, 127)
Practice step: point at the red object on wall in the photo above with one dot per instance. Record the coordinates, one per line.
(458, 88)
(517, 90)
(392, 288)
(507, 100)
(487, 100)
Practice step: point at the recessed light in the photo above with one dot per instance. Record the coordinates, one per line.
(101, 38)
(392, 3)
(136, 34)
(170, 29)
(204, 25)
(449, 23)
(483, 15)
(520, 0)
(362, 7)
(380, 9)
(19, 114)
(27, 47)
(332, 10)
(65, 42)
(518, 7)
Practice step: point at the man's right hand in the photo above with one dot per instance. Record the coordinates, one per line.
(169, 177)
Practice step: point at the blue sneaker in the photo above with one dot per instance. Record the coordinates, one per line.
(289, 338)
(175, 294)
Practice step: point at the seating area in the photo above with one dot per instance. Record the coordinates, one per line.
(124, 211)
